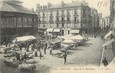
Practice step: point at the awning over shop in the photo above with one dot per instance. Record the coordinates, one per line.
(56, 30)
(54, 41)
(108, 34)
(108, 42)
(74, 31)
(49, 30)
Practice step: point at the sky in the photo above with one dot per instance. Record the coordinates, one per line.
(102, 6)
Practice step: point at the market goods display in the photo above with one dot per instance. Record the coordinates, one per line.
(11, 62)
(27, 67)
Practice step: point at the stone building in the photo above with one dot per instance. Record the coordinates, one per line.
(112, 20)
(66, 18)
(94, 20)
(110, 36)
(106, 22)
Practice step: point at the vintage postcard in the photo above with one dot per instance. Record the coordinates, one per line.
(57, 36)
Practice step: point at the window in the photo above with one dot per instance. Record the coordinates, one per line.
(68, 32)
(62, 25)
(57, 25)
(43, 25)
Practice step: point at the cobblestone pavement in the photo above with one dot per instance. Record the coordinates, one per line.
(89, 54)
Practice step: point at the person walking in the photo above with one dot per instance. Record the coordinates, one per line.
(41, 55)
(51, 51)
(45, 48)
(36, 54)
(65, 57)
(105, 62)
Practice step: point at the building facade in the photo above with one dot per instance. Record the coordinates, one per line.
(112, 10)
(112, 21)
(94, 20)
(106, 22)
(16, 20)
(66, 17)
(100, 21)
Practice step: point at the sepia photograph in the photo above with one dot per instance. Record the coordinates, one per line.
(57, 36)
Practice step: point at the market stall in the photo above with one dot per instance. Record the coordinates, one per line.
(55, 42)
(24, 39)
(79, 39)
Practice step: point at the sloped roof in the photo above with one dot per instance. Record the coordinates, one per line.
(9, 7)
(72, 4)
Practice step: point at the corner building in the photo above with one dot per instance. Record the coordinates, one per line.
(65, 17)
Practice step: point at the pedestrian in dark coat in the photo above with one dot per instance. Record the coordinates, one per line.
(51, 53)
(36, 54)
(41, 55)
(45, 48)
(65, 57)
(105, 62)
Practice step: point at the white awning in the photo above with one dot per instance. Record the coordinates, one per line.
(108, 34)
(78, 37)
(56, 30)
(108, 42)
(49, 30)
(24, 38)
(68, 41)
(74, 31)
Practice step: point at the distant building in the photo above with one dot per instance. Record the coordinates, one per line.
(66, 18)
(100, 21)
(106, 22)
(112, 10)
(110, 36)
(112, 21)
(95, 20)
(16, 20)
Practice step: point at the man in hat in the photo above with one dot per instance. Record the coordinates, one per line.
(105, 62)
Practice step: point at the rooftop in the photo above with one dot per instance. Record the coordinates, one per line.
(13, 6)
(62, 5)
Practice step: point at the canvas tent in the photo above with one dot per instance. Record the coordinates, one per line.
(78, 37)
(108, 34)
(68, 41)
(24, 39)
(108, 42)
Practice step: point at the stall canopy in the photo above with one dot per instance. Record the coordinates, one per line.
(24, 39)
(78, 37)
(65, 37)
(108, 42)
(54, 41)
(68, 41)
(108, 34)
(56, 30)
(49, 30)
(74, 31)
